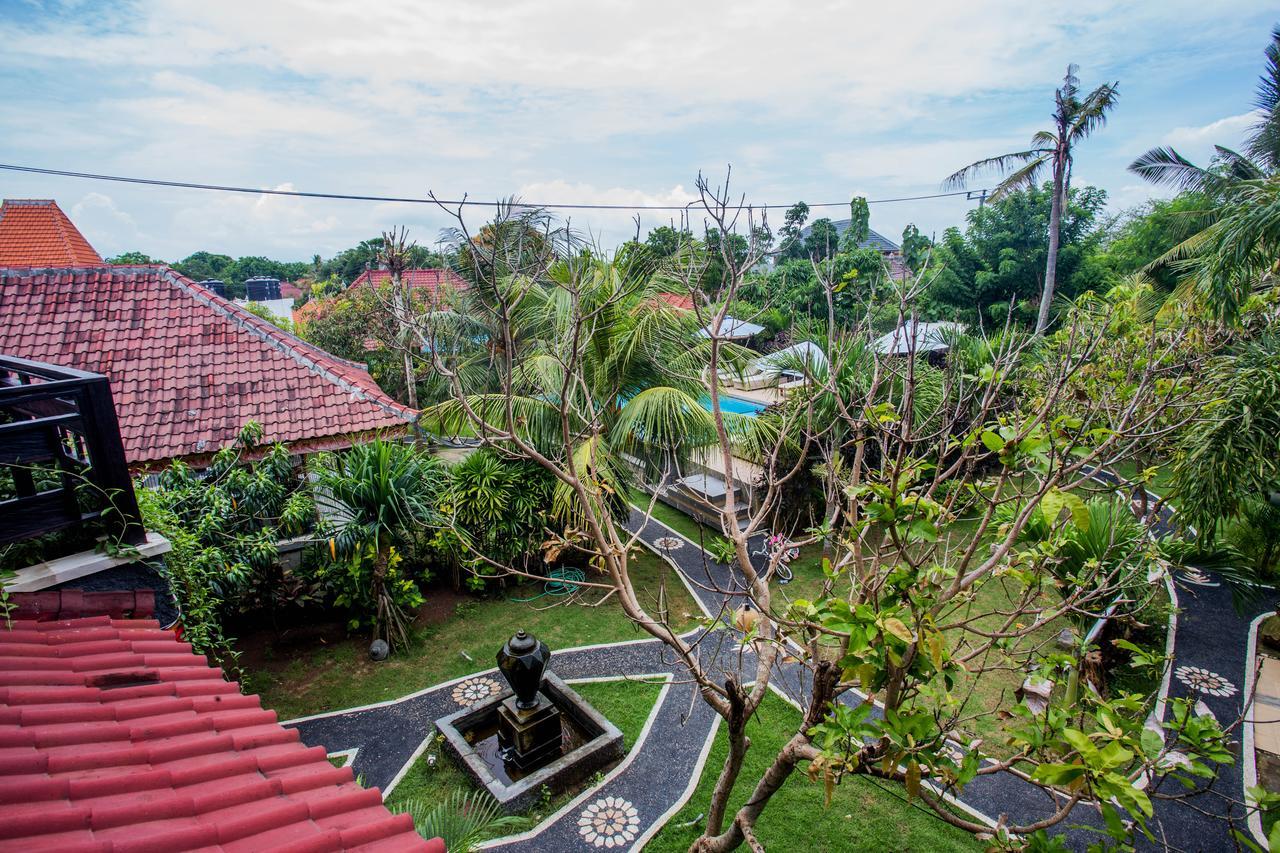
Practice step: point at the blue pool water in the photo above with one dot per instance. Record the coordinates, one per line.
(734, 405)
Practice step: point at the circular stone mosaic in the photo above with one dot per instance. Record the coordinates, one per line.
(609, 822)
(473, 690)
(1204, 681)
(668, 543)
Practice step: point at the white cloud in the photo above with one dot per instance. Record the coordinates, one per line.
(557, 100)
(1198, 142)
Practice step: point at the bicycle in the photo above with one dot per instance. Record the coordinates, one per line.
(772, 546)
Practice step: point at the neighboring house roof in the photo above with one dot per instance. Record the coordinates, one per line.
(188, 368)
(682, 301)
(35, 232)
(732, 328)
(116, 736)
(804, 355)
(289, 290)
(873, 240)
(918, 338)
(430, 280)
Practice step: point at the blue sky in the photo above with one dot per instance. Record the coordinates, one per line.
(558, 101)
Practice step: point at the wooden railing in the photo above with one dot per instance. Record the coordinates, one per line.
(60, 448)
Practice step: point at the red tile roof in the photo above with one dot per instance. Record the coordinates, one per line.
(35, 232)
(677, 300)
(431, 280)
(115, 736)
(187, 367)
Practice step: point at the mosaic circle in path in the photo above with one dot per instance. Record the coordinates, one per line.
(472, 690)
(668, 543)
(609, 822)
(1204, 681)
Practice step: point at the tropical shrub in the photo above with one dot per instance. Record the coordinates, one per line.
(499, 508)
(224, 525)
(375, 496)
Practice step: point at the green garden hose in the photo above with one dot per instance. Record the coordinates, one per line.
(559, 583)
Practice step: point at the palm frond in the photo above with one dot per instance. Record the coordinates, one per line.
(1165, 166)
(1264, 139)
(998, 165)
(1021, 178)
(666, 418)
(463, 821)
(1092, 113)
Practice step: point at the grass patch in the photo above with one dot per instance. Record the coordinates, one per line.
(862, 816)
(627, 704)
(332, 675)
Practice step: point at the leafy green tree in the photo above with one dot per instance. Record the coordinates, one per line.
(1148, 233)
(664, 241)
(133, 259)
(1234, 253)
(224, 525)
(1074, 119)
(200, 266)
(1000, 256)
(859, 225)
(915, 247)
(500, 508)
(823, 241)
(714, 267)
(382, 492)
(792, 243)
(257, 309)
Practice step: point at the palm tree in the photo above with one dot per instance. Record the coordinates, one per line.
(378, 492)
(1237, 243)
(643, 363)
(1074, 119)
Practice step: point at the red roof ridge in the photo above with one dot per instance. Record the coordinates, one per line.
(307, 354)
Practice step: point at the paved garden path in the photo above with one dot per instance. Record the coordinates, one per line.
(1210, 641)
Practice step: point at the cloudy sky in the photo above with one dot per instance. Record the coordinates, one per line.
(578, 102)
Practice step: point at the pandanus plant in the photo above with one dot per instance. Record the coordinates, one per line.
(375, 493)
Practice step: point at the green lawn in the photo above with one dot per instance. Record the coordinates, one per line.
(331, 675)
(862, 815)
(626, 704)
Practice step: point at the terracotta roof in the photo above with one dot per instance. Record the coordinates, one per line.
(188, 368)
(677, 300)
(35, 232)
(115, 736)
(429, 280)
(289, 290)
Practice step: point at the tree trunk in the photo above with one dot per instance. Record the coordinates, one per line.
(1055, 234)
(738, 746)
(784, 764)
(377, 581)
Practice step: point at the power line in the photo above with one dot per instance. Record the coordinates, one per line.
(448, 202)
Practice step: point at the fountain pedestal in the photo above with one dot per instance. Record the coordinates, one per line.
(528, 737)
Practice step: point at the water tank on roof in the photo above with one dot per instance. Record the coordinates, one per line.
(261, 288)
(218, 287)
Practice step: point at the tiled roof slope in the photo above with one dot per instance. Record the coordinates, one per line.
(35, 232)
(188, 368)
(114, 736)
(677, 300)
(430, 280)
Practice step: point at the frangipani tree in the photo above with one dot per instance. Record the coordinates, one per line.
(930, 587)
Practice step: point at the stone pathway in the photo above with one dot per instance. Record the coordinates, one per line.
(1210, 642)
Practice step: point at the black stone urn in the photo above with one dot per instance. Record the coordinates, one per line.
(522, 661)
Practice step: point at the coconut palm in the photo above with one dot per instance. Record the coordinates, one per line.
(1235, 249)
(1074, 119)
(376, 493)
(643, 364)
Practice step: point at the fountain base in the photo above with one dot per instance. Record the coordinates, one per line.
(564, 740)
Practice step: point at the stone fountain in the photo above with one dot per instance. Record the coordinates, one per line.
(538, 733)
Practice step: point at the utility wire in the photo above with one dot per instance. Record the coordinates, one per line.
(448, 202)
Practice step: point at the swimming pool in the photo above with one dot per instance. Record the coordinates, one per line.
(734, 405)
